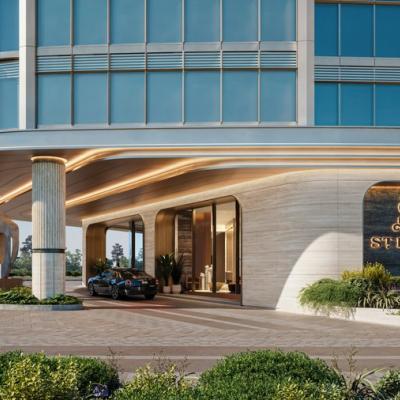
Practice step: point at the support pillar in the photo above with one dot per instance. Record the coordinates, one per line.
(305, 61)
(48, 226)
(27, 63)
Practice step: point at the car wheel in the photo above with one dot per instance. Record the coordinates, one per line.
(91, 290)
(149, 296)
(115, 292)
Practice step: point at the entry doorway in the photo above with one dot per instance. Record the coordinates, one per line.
(207, 237)
(125, 243)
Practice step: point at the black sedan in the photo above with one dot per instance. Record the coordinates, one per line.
(120, 282)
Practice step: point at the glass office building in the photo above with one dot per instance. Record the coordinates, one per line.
(242, 134)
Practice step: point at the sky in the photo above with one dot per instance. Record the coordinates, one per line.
(74, 238)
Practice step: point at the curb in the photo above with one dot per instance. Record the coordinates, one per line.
(41, 307)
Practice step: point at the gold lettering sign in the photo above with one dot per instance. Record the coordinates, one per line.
(387, 242)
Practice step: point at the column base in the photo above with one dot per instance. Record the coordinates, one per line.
(48, 274)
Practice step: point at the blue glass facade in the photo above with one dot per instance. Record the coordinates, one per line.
(8, 103)
(357, 104)
(9, 26)
(156, 21)
(355, 91)
(204, 62)
(166, 87)
(357, 30)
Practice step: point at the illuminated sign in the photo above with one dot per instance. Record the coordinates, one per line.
(387, 242)
(381, 239)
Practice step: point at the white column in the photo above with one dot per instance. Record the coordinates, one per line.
(48, 226)
(305, 60)
(27, 57)
(149, 221)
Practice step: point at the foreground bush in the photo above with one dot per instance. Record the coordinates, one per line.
(264, 375)
(309, 391)
(23, 295)
(389, 385)
(149, 384)
(38, 377)
(327, 294)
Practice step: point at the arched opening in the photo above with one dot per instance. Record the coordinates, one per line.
(382, 225)
(206, 236)
(120, 242)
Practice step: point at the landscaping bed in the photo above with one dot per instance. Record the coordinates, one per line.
(259, 375)
(371, 295)
(21, 298)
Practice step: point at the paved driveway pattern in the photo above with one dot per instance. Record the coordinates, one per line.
(134, 332)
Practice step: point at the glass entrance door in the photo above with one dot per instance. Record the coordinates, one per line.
(215, 266)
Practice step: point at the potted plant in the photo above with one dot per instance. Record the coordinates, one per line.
(176, 274)
(101, 265)
(165, 262)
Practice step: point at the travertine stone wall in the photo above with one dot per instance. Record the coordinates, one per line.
(48, 227)
(297, 227)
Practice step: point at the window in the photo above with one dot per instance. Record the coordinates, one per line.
(164, 21)
(202, 21)
(387, 105)
(278, 96)
(202, 98)
(164, 97)
(278, 20)
(9, 23)
(356, 104)
(326, 104)
(326, 30)
(387, 31)
(53, 22)
(240, 20)
(8, 103)
(90, 21)
(127, 97)
(127, 21)
(90, 98)
(240, 94)
(54, 99)
(356, 30)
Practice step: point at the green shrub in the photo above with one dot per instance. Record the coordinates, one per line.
(35, 379)
(92, 371)
(350, 275)
(6, 360)
(261, 375)
(23, 295)
(149, 384)
(381, 298)
(328, 294)
(309, 391)
(61, 299)
(81, 375)
(377, 274)
(373, 287)
(389, 385)
(395, 282)
(18, 295)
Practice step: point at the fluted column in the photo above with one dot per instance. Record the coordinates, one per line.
(48, 226)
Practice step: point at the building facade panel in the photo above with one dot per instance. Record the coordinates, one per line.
(252, 77)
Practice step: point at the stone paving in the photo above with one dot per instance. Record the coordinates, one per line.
(136, 331)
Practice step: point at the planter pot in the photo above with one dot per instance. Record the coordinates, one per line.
(176, 289)
(166, 290)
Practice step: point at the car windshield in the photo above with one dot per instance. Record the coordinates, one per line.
(133, 274)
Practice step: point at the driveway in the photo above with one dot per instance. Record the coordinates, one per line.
(198, 332)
